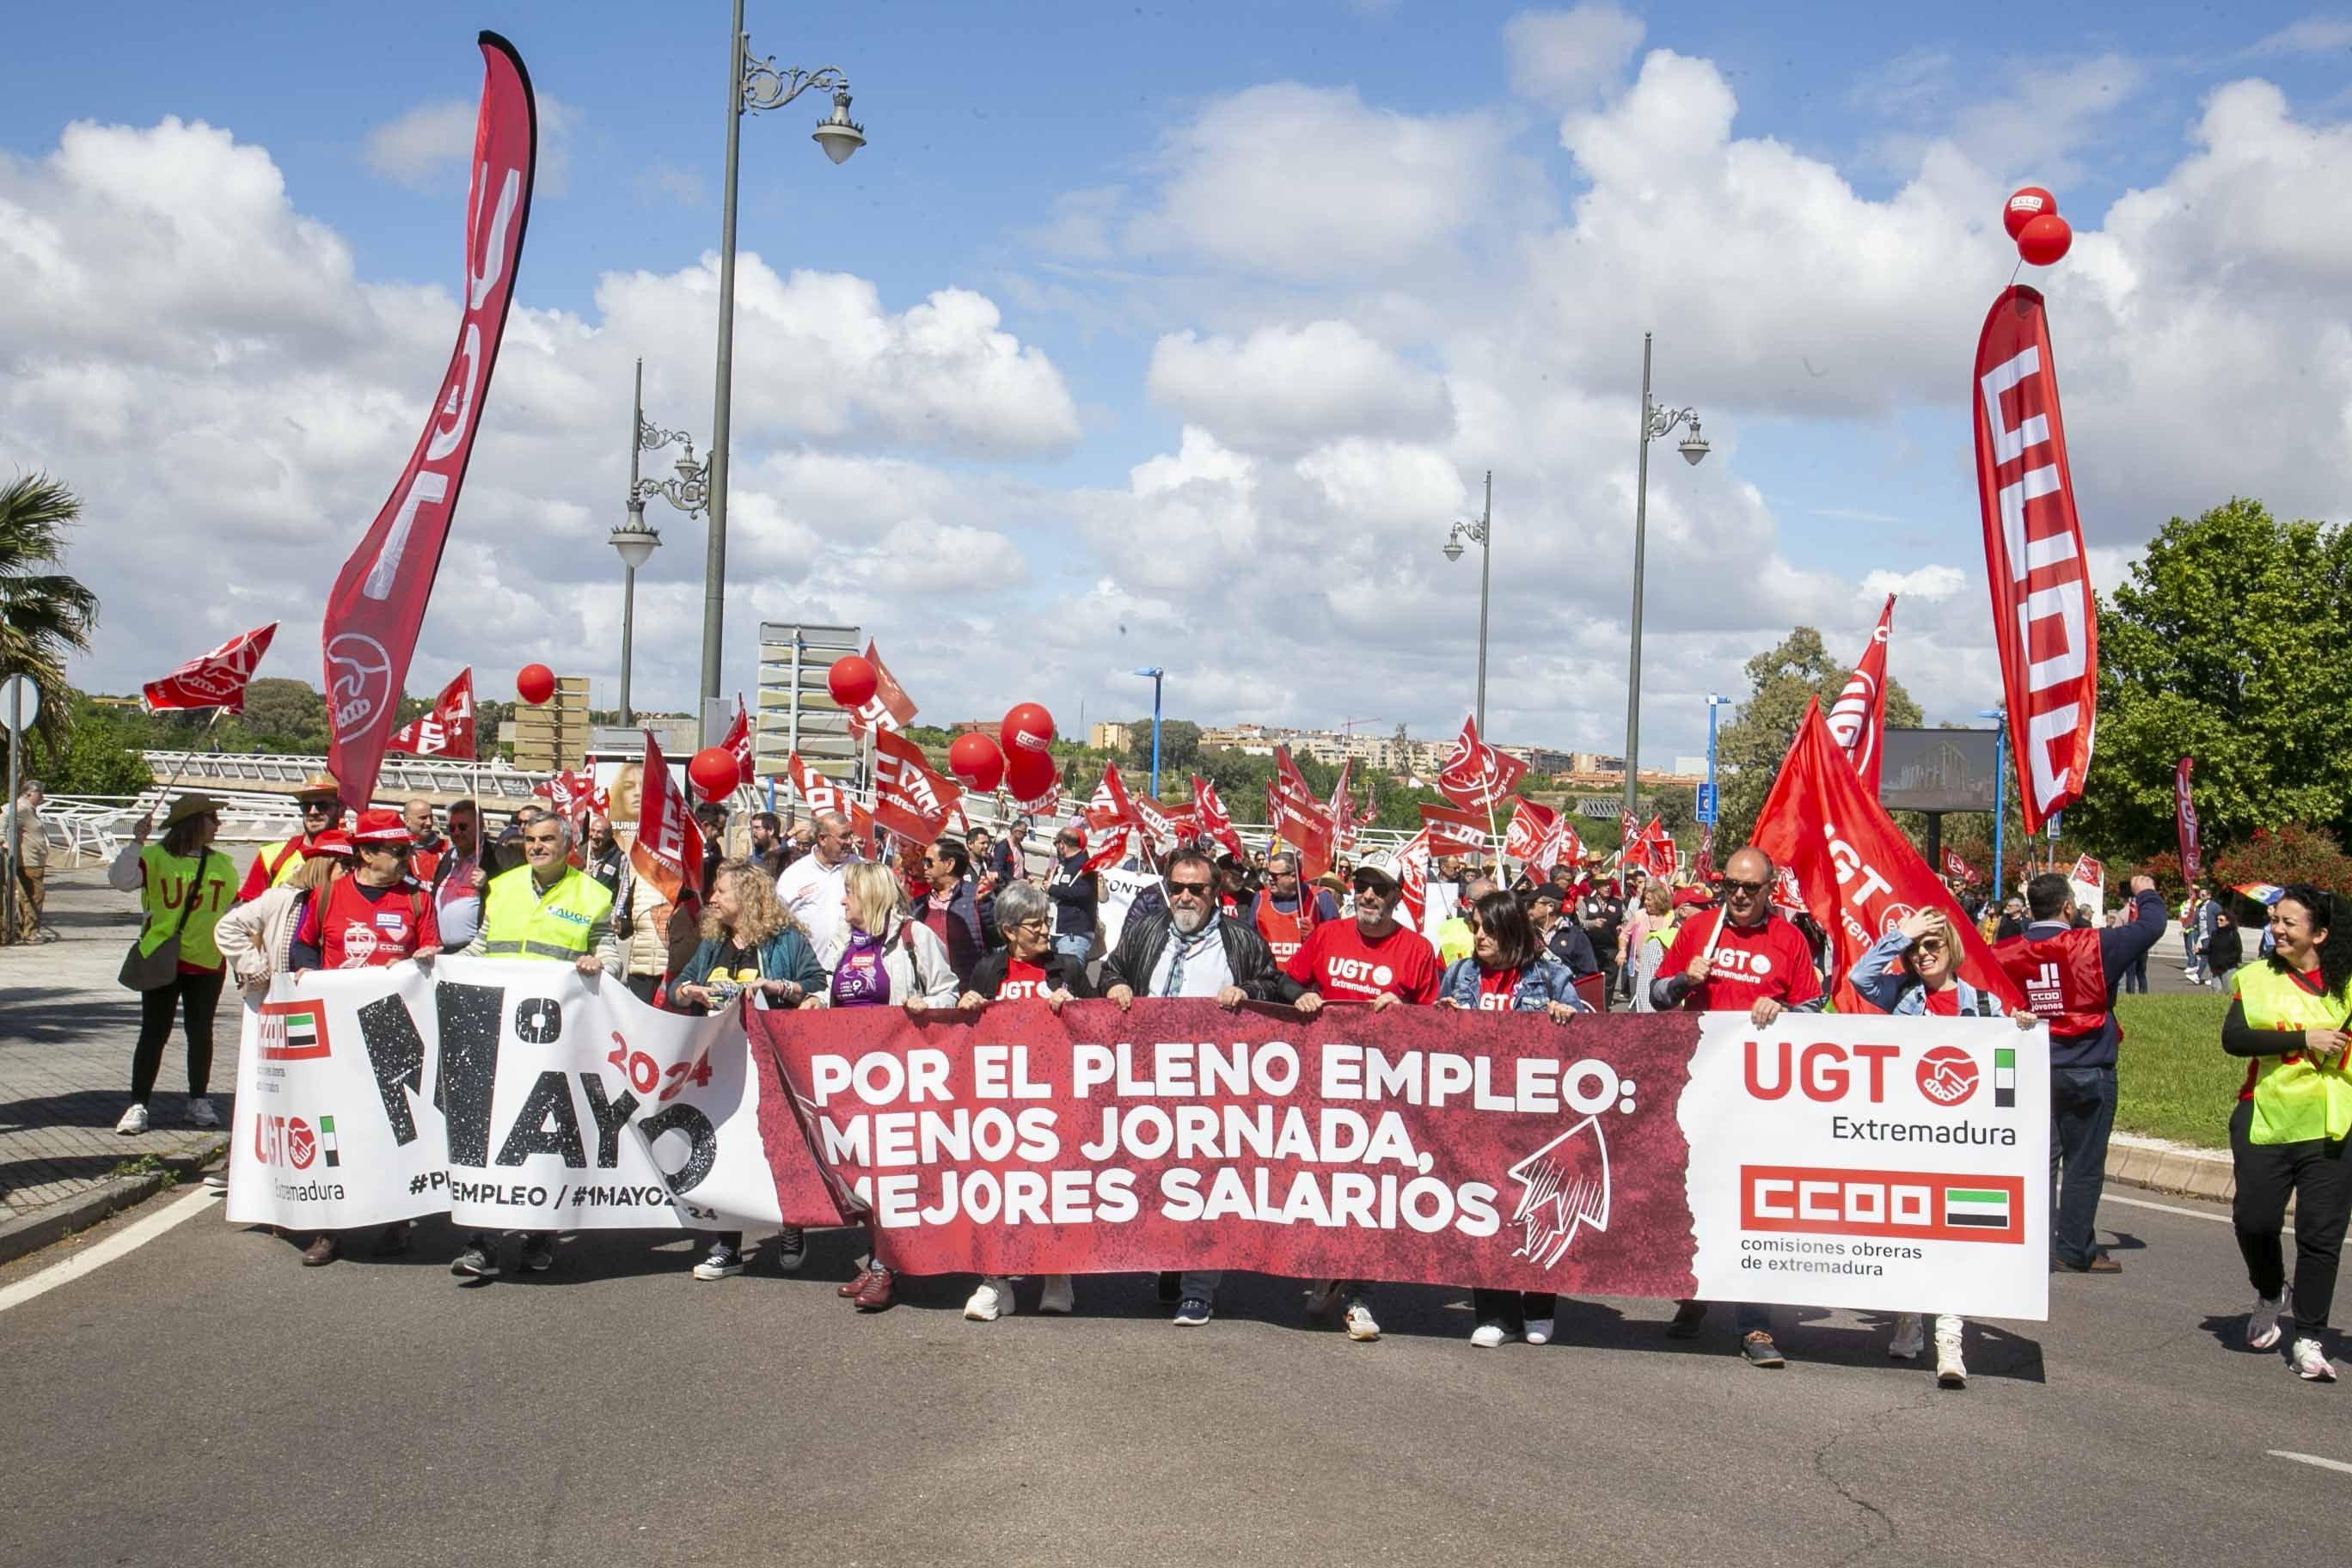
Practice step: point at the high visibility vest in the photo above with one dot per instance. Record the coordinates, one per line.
(517, 923)
(2062, 977)
(2294, 1102)
(279, 861)
(170, 880)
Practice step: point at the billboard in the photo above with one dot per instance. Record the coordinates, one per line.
(1939, 770)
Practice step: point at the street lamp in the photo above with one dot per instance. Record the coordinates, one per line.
(635, 542)
(756, 88)
(1656, 423)
(1999, 716)
(1157, 675)
(1478, 533)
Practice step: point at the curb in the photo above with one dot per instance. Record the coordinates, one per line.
(30, 1232)
(2166, 1167)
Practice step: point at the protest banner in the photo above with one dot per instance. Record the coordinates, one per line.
(509, 1095)
(1864, 1161)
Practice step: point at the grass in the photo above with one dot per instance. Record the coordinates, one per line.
(145, 1165)
(2172, 1080)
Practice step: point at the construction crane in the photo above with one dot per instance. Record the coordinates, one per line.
(1347, 726)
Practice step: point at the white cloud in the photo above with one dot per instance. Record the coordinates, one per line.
(1926, 583)
(2312, 35)
(1564, 59)
(1284, 388)
(664, 182)
(428, 147)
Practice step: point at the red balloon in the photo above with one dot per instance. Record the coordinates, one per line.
(2026, 204)
(2046, 239)
(713, 772)
(852, 681)
(1027, 728)
(1029, 775)
(534, 683)
(974, 758)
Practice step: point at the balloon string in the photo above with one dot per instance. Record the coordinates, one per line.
(2015, 270)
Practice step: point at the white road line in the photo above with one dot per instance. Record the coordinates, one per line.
(2310, 1459)
(122, 1242)
(2176, 1208)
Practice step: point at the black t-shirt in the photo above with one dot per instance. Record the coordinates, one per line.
(1602, 913)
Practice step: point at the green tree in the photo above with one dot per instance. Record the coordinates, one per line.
(44, 615)
(1180, 747)
(1749, 749)
(2225, 642)
(101, 755)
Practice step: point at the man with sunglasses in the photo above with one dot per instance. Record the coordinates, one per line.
(321, 802)
(963, 918)
(810, 888)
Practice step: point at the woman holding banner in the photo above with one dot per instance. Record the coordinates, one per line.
(890, 961)
(1507, 970)
(1027, 968)
(750, 944)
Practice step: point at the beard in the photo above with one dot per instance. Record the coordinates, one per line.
(1190, 921)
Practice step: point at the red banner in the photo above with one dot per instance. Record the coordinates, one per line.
(378, 601)
(889, 709)
(1299, 818)
(1111, 806)
(910, 799)
(1534, 836)
(1453, 832)
(2185, 821)
(214, 680)
(2041, 614)
(447, 731)
(738, 740)
(1411, 1145)
(1476, 775)
(1858, 718)
(667, 851)
(1957, 869)
(1855, 870)
(1343, 812)
(1210, 810)
(2088, 871)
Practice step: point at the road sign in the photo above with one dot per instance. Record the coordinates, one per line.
(16, 689)
(1707, 805)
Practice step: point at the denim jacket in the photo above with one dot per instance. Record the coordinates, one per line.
(1541, 983)
(1878, 979)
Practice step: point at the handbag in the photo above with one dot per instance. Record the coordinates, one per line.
(154, 970)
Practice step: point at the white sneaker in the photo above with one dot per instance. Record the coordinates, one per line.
(1909, 1338)
(2263, 1323)
(201, 1112)
(2311, 1363)
(1058, 1296)
(1951, 1371)
(992, 1300)
(1539, 1331)
(1487, 1336)
(1361, 1324)
(133, 1121)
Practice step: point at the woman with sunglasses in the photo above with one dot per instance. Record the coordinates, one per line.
(1914, 971)
(377, 915)
(1027, 969)
(184, 888)
(1507, 970)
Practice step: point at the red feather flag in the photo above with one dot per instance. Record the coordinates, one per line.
(2185, 820)
(1299, 818)
(447, 731)
(1858, 718)
(214, 680)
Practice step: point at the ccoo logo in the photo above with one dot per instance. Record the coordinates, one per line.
(1947, 1075)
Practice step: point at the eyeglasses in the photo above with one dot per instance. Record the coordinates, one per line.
(1928, 945)
(1188, 890)
(1734, 885)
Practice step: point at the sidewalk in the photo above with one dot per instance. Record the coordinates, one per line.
(65, 1034)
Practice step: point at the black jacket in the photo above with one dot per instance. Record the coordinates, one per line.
(1072, 888)
(1145, 938)
(1063, 972)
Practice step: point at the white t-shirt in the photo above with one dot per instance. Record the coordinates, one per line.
(811, 893)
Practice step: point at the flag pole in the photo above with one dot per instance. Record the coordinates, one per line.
(185, 758)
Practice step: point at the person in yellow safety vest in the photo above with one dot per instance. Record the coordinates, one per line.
(544, 909)
(2288, 1134)
(183, 887)
(321, 802)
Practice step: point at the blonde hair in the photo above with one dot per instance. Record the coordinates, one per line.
(312, 873)
(762, 918)
(876, 891)
(1658, 899)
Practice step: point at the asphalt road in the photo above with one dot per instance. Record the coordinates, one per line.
(204, 1400)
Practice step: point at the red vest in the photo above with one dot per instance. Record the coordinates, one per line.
(2062, 977)
(1285, 934)
(356, 935)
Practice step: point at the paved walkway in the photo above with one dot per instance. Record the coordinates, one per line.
(66, 1033)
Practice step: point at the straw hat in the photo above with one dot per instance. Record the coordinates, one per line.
(319, 786)
(189, 805)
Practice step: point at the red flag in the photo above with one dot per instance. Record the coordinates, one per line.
(667, 851)
(1858, 718)
(378, 601)
(1159, 828)
(1215, 822)
(1855, 870)
(1572, 843)
(1476, 775)
(1534, 836)
(889, 707)
(738, 740)
(2088, 871)
(1343, 812)
(1115, 844)
(1453, 832)
(1412, 868)
(568, 793)
(447, 731)
(1299, 818)
(2041, 615)
(2185, 821)
(1110, 806)
(1957, 869)
(910, 799)
(214, 680)
(817, 792)
(1703, 867)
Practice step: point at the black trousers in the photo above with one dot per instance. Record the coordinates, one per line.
(195, 997)
(2318, 1174)
(1512, 1309)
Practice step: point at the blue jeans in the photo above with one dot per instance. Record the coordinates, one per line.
(1074, 946)
(2082, 1114)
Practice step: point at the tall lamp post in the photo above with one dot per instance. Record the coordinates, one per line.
(1478, 533)
(2000, 790)
(1655, 423)
(635, 541)
(1157, 675)
(755, 88)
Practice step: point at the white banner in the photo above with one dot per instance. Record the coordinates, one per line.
(1119, 885)
(1871, 1162)
(505, 1093)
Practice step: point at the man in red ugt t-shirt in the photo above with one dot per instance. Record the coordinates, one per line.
(1368, 959)
(1744, 959)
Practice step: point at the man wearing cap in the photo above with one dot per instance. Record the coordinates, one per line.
(1563, 939)
(379, 914)
(1284, 913)
(320, 800)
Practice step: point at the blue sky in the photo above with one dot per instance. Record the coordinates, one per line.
(1064, 163)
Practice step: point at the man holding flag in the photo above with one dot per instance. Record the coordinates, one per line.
(322, 806)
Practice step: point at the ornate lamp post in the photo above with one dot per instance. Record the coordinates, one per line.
(1478, 533)
(634, 539)
(1656, 423)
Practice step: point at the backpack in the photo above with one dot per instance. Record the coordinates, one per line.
(2222, 949)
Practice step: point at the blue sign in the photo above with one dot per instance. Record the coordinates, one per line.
(1707, 805)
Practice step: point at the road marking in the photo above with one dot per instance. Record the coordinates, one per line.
(2176, 1208)
(121, 1243)
(2310, 1460)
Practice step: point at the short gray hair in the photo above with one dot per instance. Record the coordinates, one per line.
(1018, 902)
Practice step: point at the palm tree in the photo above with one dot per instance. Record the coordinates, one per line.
(44, 614)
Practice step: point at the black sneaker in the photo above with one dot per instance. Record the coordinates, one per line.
(1688, 1316)
(792, 1250)
(478, 1261)
(539, 1250)
(1193, 1312)
(1760, 1349)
